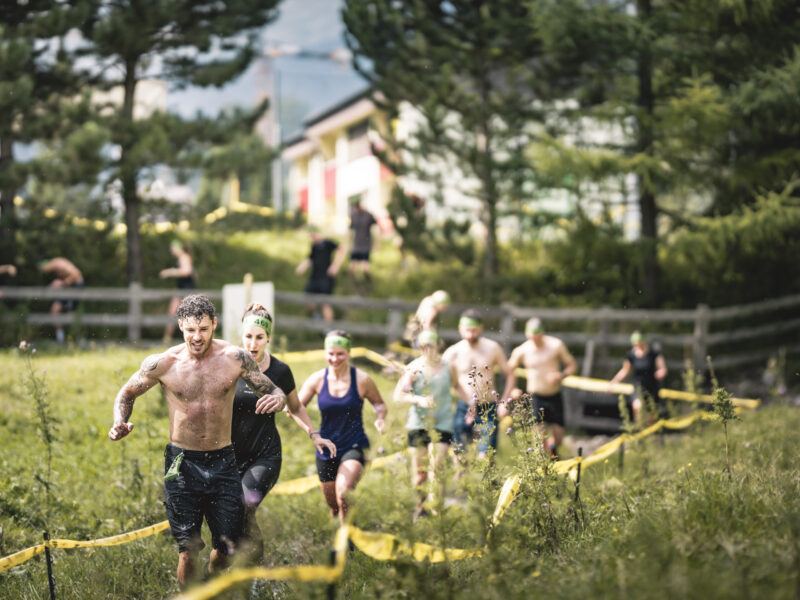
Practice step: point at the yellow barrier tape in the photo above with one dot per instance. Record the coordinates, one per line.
(115, 540)
(295, 486)
(748, 403)
(223, 582)
(566, 465)
(385, 546)
(305, 573)
(604, 451)
(401, 349)
(24, 555)
(507, 495)
(379, 358)
(12, 560)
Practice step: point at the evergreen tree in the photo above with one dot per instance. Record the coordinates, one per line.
(464, 66)
(697, 98)
(36, 76)
(185, 43)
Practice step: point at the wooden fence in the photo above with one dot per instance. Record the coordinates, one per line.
(737, 336)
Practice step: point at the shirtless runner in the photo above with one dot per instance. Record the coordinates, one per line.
(547, 362)
(201, 479)
(475, 359)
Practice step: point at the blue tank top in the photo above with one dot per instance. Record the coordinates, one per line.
(341, 417)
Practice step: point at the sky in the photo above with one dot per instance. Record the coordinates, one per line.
(306, 85)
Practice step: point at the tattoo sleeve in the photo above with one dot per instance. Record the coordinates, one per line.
(138, 384)
(260, 383)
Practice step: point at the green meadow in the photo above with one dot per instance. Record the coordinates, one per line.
(665, 522)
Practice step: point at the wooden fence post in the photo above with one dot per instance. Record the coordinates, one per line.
(135, 312)
(700, 341)
(588, 358)
(394, 323)
(604, 316)
(507, 326)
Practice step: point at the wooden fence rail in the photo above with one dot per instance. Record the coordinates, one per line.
(598, 336)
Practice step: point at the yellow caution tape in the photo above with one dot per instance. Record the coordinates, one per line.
(377, 358)
(385, 546)
(507, 495)
(748, 403)
(295, 486)
(23, 555)
(305, 573)
(20, 557)
(115, 540)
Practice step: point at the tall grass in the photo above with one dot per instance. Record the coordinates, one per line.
(670, 525)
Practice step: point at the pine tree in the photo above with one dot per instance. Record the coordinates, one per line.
(463, 65)
(186, 42)
(703, 95)
(36, 76)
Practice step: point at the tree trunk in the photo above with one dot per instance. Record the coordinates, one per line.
(485, 172)
(647, 200)
(7, 216)
(128, 178)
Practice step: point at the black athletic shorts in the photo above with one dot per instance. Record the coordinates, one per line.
(354, 255)
(259, 477)
(70, 304)
(548, 409)
(321, 285)
(207, 485)
(327, 469)
(419, 438)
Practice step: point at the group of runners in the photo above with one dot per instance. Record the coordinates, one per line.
(224, 453)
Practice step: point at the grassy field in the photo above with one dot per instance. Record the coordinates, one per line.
(669, 524)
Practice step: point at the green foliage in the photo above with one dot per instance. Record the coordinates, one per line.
(36, 79)
(193, 43)
(676, 526)
(748, 253)
(36, 387)
(462, 66)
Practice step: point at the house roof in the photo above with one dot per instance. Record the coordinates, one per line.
(342, 114)
(338, 107)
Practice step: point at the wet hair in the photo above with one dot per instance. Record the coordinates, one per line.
(340, 333)
(196, 306)
(254, 308)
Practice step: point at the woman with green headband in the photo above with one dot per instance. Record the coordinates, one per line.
(425, 385)
(649, 370)
(255, 437)
(341, 389)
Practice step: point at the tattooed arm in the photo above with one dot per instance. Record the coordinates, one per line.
(272, 397)
(141, 381)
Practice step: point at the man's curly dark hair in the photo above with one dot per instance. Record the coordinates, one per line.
(196, 306)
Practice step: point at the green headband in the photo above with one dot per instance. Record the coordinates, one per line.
(258, 321)
(337, 341)
(469, 322)
(428, 337)
(636, 337)
(534, 329)
(176, 244)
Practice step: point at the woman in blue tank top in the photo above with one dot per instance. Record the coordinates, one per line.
(341, 390)
(425, 385)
